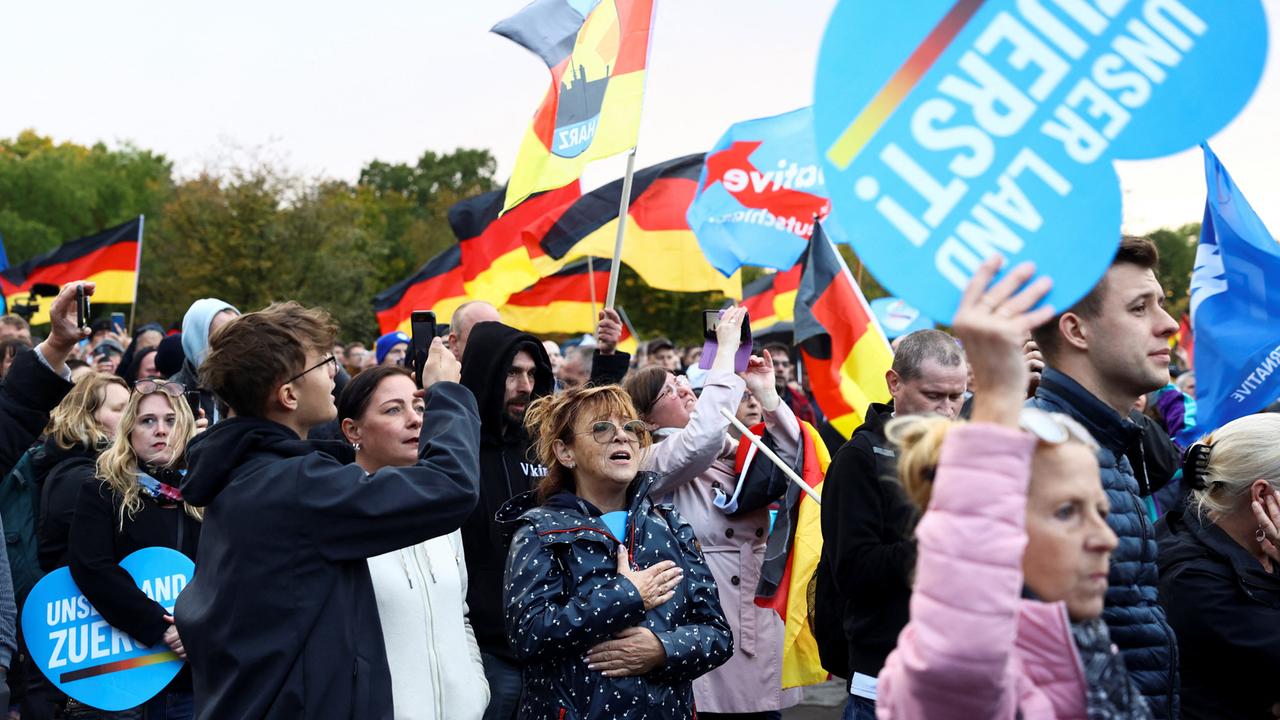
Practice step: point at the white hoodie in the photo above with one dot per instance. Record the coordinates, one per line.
(421, 593)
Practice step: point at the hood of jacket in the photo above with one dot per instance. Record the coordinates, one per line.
(50, 454)
(195, 328)
(1185, 537)
(490, 349)
(231, 443)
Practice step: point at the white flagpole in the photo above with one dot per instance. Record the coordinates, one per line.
(623, 208)
(791, 474)
(137, 272)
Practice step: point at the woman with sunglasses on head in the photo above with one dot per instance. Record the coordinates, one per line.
(1013, 544)
(135, 504)
(421, 590)
(694, 456)
(1219, 558)
(609, 602)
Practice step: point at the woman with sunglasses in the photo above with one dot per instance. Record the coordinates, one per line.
(694, 456)
(1013, 544)
(609, 603)
(135, 504)
(421, 590)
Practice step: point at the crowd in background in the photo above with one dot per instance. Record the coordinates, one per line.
(1033, 526)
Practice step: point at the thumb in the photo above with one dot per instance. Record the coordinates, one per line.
(168, 619)
(624, 564)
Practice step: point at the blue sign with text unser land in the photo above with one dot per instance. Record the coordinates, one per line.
(952, 130)
(90, 660)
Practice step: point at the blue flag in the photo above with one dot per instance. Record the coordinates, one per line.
(1235, 305)
(4, 257)
(760, 188)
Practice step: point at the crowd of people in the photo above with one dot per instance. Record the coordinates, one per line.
(1033, 526)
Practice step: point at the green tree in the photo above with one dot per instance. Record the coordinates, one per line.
(1177, 257)
(51, 193)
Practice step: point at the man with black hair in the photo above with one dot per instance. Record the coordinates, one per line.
(1102, 354)
(507, 370)
(280, 620)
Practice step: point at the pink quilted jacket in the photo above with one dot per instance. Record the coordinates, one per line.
(974, 649)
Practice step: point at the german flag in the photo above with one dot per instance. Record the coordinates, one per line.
(109, 259)
(843, 348)
(771, 299)
(592, 109)
(659, 245)
(561, 303)
(437, 286)
(791, 560)
(498, 252)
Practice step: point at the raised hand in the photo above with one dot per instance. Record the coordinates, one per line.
(608, 331)
(64, 331)
(728, 337)
(993, 322)
(657, 584)
(441, 365)
(762, 380)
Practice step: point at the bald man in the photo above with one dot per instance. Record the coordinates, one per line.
(464, 318)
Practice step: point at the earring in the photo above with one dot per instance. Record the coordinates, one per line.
(1260, 535)
(355, 446)
(572, 466)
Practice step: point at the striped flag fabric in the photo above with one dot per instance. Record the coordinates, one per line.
(109, 258)
(791, 559)
(436, 286)
(596, 51)
(843, 348)
(771, 299)
(498, 250)
(659, 245)
(561, 302)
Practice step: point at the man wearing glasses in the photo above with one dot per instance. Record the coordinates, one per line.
(507, 370)
(281, 618)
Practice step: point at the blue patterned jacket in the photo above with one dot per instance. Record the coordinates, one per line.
(563, 596)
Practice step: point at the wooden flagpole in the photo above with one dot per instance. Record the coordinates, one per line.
(624, 207)
(786, 469)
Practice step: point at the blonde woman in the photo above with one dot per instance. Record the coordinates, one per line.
(137, 504)
(79, 429)
(1220, 572)
(1013, 545)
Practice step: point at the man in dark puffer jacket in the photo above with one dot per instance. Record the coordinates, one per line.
(1103, 353)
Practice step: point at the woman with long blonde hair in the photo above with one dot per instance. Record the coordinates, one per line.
(137, 504)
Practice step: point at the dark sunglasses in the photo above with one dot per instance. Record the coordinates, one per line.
(168, 387)
(603, 431)
(331, 360)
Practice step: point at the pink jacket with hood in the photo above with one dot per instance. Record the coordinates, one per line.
(974, 648)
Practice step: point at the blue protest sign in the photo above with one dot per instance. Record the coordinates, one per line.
(951, 130)
(88, 659)
(760, 188)
(1235, 306)
(898, 318)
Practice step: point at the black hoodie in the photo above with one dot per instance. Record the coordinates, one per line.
(507, 468)
(280, 620)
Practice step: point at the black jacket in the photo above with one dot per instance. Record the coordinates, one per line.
(97, 544)
(1137, 622)
(281, 620)
(29, 392)
(507, 469)
(60, 473)
(564, 596)
(867, 549)
(1226, 611)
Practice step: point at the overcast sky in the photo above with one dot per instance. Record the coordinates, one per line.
(324, 86)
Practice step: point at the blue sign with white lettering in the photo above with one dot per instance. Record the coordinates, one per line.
(993, 127)
(897, 318)
(90, 660)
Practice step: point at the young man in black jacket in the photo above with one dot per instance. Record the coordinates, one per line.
(867, 552)
(506, 369)
(280, 620)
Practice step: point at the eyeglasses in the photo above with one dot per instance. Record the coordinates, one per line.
(603, 431)
(168, 387)
(679, 381)
(1054, 428)
(330, 360)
